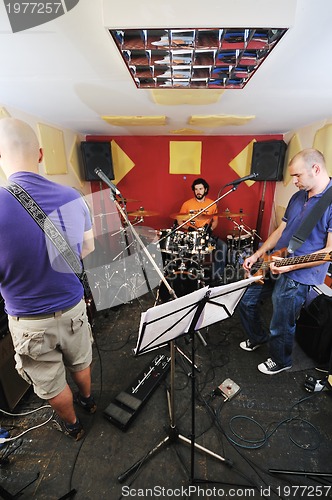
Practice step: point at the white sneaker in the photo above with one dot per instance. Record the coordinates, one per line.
(269, 367)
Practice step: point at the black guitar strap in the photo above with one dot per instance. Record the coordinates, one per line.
(51, 231)
(309, 222)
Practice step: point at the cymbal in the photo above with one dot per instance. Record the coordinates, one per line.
(130, 199)
(206, 216)
(231, 214)
(143, 213)
(187, 216)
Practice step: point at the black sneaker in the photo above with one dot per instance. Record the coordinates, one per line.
(89, 404)
(269, 367)
(248, 346)
(74, 431)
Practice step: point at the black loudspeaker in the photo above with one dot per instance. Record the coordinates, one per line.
(97, 155)
(268, 160)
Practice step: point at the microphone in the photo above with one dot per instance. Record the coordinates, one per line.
(100, 173)
(246, 178)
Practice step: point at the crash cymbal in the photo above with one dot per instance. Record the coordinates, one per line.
(143, 213)
(127, 200)
(231, 214)
(187, 216)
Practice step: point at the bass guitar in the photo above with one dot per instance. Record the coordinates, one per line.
(261, 267)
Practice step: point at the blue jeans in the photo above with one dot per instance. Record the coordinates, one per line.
(288, 297)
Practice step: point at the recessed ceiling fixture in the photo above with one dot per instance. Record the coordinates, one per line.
(221, 58)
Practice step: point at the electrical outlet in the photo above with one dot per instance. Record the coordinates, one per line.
(229, 388)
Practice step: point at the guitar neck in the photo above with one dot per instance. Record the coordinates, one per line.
(302, 259)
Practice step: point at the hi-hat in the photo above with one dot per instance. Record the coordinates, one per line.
(143, 213)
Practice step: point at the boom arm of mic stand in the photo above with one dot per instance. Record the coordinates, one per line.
(147, 253)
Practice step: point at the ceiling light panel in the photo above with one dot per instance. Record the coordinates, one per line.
(221, 58)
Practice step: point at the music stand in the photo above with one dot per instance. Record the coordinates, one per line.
(164, 323)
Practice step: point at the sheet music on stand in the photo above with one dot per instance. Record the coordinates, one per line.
(166, 322)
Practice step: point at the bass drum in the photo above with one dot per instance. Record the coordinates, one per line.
(183, 275)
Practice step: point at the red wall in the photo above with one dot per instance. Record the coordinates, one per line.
(156, 189)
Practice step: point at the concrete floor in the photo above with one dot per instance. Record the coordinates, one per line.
(271, 424)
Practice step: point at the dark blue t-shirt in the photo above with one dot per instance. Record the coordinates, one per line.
(298, 208)
(33, 278)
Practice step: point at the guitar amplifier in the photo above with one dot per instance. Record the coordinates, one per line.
(12, 386)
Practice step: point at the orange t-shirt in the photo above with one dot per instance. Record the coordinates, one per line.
(193, 206)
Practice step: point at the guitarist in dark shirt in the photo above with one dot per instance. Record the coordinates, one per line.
(290, 282)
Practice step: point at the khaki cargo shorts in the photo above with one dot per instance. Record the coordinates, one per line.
(47, 345)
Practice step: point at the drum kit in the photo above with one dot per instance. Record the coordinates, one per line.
(187, 255)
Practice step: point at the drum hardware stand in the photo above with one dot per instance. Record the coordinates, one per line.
(260, 214)
(242, 228)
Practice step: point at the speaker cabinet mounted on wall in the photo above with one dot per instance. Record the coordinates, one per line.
(97, 155)
(268, 159)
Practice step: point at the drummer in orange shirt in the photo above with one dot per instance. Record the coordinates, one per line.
(194, 205)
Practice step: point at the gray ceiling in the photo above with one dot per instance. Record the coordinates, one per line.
(68, 72)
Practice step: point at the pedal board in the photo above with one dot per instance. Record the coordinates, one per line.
(126, 405)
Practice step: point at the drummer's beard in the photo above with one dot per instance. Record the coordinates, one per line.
(199, 196)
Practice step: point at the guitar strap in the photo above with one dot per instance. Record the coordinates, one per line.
(309, 222)
(51, 231)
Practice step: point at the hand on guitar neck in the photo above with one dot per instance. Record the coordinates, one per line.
(278, 260)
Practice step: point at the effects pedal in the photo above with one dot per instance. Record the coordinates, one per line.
(228, 388)
(126, 405)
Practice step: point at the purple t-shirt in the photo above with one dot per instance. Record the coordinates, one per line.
(297, 209)
(34, 278)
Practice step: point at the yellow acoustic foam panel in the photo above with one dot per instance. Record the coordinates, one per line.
(187, 131)
(4, 113)
(54, 161)
(173, 97)
(293, 148)
(219, 120)
(74, 160)
(122, 164)
(280, 212)
(141, 121)
(323, 142)
(185, 157)
(241, 164)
